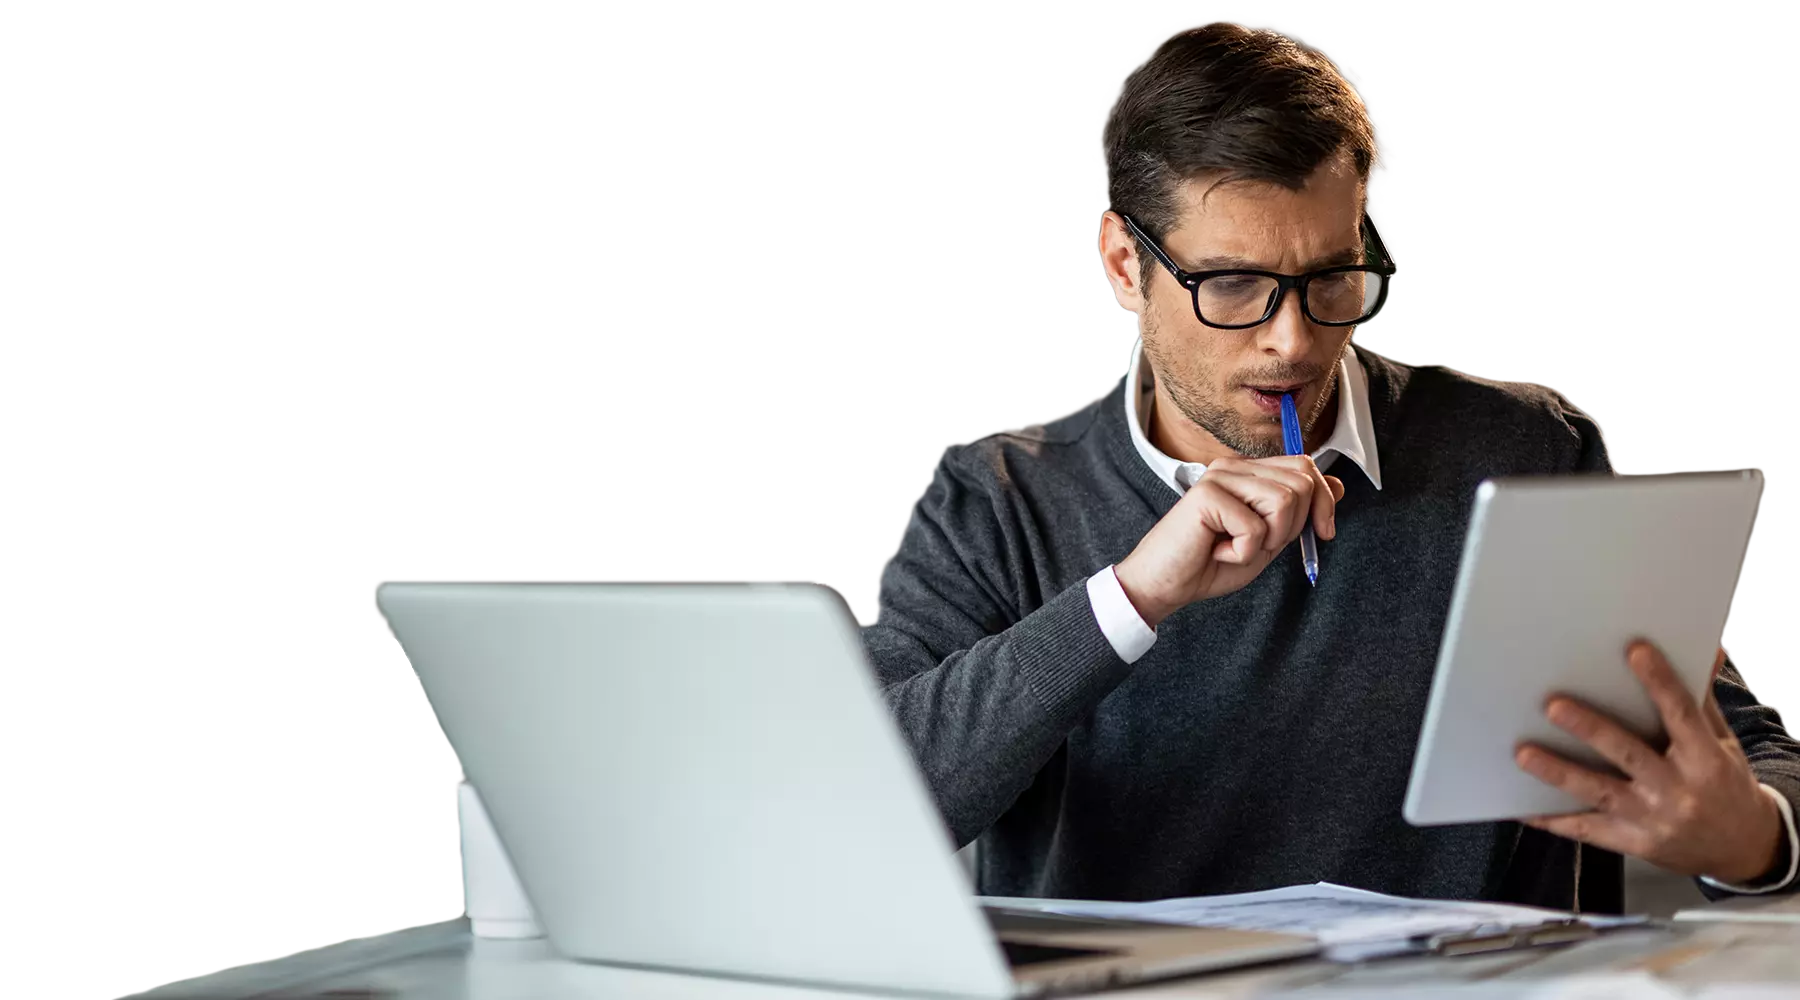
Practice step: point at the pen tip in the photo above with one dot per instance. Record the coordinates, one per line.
(1312, 577)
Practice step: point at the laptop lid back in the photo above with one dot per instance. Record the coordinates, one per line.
(699, 777)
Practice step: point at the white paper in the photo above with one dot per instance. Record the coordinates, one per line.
(1746, 991)
(1701, 913)
(1351, 924)
(1580, 986)
(1748, 909)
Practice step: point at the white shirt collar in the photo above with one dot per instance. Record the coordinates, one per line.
(1353, 437)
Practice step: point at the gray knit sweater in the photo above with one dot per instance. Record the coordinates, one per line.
(1266, 739)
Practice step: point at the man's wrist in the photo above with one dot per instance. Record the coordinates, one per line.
(1778, 867)
(1760, 866)
(1150, 610)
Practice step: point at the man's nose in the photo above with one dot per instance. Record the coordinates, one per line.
(1288, 334)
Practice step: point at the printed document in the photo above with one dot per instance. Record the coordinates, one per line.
(1351, 924)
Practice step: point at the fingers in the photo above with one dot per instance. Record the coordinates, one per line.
(1325, 491)
(1621, 747)
(1259, 507)
(1605, 793)
(1301, 492)
(1280, 497)
(1680, 713)
(1305, 479)
(1240, 531)
(1324, 503)
(1598, 829)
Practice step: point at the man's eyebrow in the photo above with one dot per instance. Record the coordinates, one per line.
(1230, 262)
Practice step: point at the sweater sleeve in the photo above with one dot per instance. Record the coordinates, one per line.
(1774, 755)
(984, 691)
(1590, 448)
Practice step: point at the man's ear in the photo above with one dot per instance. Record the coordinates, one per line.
(1119, 259)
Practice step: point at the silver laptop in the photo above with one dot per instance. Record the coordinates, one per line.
(703, 778)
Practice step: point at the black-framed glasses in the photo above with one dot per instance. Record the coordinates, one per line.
(1240, 298)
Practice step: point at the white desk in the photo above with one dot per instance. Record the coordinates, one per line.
(443, 960)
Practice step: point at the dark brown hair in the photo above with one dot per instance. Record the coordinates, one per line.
(1247, 105)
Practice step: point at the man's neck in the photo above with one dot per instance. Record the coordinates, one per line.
(1185, 441)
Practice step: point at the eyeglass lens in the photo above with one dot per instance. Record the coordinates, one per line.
(1336, 297)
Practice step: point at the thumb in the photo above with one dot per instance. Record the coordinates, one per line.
(1337, 487)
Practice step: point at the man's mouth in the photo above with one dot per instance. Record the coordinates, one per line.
(1276, 390)
(1268, 395)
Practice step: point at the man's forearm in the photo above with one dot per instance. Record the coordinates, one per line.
(983, 721)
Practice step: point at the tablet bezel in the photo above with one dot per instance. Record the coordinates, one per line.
(1558, 575)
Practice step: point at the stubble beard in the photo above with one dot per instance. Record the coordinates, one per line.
(1184, 380)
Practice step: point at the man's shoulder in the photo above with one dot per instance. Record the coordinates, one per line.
(1448, 394)
(1067, 442)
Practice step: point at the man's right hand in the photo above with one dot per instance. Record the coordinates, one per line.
(1232, 522)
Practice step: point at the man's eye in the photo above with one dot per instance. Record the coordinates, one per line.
(1233, 284)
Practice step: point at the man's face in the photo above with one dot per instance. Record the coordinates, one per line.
(1213, 376)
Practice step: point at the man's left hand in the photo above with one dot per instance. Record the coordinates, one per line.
(1694, 809)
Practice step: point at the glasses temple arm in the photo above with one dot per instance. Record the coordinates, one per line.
(1375, 238)
(1144, 238)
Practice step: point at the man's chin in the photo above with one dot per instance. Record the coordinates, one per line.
(1243, 429)
(1260, 436)
(1255, 442)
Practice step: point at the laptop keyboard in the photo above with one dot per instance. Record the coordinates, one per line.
(1019, 953)
(1023, 953)
(1002, 920)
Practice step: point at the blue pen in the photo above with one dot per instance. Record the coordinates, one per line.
(1295, 444)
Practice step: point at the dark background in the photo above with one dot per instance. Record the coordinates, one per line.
(708, 299)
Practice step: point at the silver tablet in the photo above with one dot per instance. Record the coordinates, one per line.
(1558, 575)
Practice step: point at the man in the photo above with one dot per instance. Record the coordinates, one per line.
(1097, 636)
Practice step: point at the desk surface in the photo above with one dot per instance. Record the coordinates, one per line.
(444, 960)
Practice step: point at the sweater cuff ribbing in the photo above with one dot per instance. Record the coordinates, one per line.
(1064, 655)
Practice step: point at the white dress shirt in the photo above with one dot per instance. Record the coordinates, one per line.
(1353, 437)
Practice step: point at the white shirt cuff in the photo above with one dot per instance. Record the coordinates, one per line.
(1123, 627)
(1793, 836)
